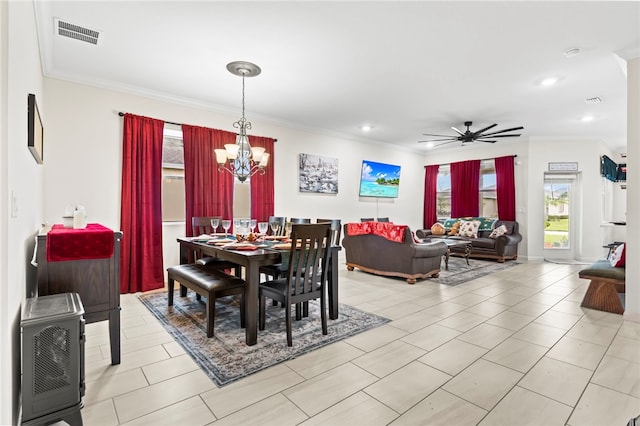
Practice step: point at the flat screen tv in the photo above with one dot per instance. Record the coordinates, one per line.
(379, 180)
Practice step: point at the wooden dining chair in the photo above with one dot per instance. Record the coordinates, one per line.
(279, 270)
(336, 229)
(306, 274)
(202, 225)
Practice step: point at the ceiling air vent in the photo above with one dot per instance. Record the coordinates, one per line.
(594, 100)
(77, 32)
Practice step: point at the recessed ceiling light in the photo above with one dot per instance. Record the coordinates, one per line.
(429, 145)
(571, 52)
(366, 127)
(587, 118)
(550, 81)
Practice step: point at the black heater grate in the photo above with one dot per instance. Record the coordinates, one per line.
(51, 360)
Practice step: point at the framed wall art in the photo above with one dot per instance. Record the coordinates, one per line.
(318, 174)
(35, 132)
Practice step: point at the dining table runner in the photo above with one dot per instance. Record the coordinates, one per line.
(93, 242)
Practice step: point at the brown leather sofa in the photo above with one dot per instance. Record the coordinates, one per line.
(377, 255)
(502, 248)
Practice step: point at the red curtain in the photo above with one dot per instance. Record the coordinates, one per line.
(208, 192)
(430, 196)
(505, 188)
(141, 266)
(262, 186)
(465, 182)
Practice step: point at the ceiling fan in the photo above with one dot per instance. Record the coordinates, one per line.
(469, 136)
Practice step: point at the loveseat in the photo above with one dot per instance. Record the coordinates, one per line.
(384, 248)
(500, 248)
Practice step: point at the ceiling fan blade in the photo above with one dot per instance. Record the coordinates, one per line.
(440, 140)
(503, 131)
(485, 129)
(457, 131)
(443, 136)
(444, 143)
(502, 136)
(485, 140)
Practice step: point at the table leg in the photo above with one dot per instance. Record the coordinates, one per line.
(252, 276)
(446, 259)
(333, 284)
(114, 335)
(467, 252)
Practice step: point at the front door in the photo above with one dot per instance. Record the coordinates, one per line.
(560, 238)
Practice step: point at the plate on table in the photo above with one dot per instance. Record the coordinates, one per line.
(204, 238)
(221, 241)
(283, 246)
(240, 246)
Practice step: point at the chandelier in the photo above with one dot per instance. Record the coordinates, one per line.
(240, 159)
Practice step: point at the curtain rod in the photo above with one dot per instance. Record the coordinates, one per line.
(481, 159)
(121, 114)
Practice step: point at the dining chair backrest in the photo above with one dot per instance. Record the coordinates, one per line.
(202, 224)
(336, 229)
(367, 219)
(308, 260)
(282, 220)
(383, 219)
(299, 220)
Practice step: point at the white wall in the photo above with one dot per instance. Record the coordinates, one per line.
(21, 181)
(632, 308)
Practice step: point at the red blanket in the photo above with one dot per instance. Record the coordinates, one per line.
(93, 242)
(387, 230)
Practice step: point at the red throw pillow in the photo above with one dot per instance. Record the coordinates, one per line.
(618, 256)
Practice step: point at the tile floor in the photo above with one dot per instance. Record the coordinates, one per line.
(512, 348)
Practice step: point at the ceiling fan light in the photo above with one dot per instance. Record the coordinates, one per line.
(549, 81)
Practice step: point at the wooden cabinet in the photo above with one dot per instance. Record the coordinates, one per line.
(97, 281)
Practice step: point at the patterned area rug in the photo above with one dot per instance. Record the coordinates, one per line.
(459, 272)
(225, 357)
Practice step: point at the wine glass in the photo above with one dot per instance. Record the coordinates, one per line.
(226, 224)
(262, 228)
(275, 227)
(215, 222)
(287, 229)
(252, 224)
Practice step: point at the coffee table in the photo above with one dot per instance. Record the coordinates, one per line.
(452, 243)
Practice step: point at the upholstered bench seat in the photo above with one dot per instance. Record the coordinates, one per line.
(606, 289)
(206, 282)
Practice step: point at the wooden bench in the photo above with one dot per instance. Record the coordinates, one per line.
(209, 283)
(607, 287)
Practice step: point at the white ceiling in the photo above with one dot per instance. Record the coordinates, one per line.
(406, 68)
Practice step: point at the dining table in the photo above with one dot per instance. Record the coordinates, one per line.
(252, 260)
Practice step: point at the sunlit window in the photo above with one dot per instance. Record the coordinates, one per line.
(173, 202)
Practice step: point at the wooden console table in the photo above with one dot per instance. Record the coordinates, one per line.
(97, 281)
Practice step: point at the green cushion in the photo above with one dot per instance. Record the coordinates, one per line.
(603, 269)
(486, 223)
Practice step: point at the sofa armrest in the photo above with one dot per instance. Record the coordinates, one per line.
(432, 249)
(507, 240)
(423, 233)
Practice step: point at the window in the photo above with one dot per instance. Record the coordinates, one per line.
(173, 201)
(443, 192)
(488, 190)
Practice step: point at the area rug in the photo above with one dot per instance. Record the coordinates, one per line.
(459, 272)
(225, 357)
